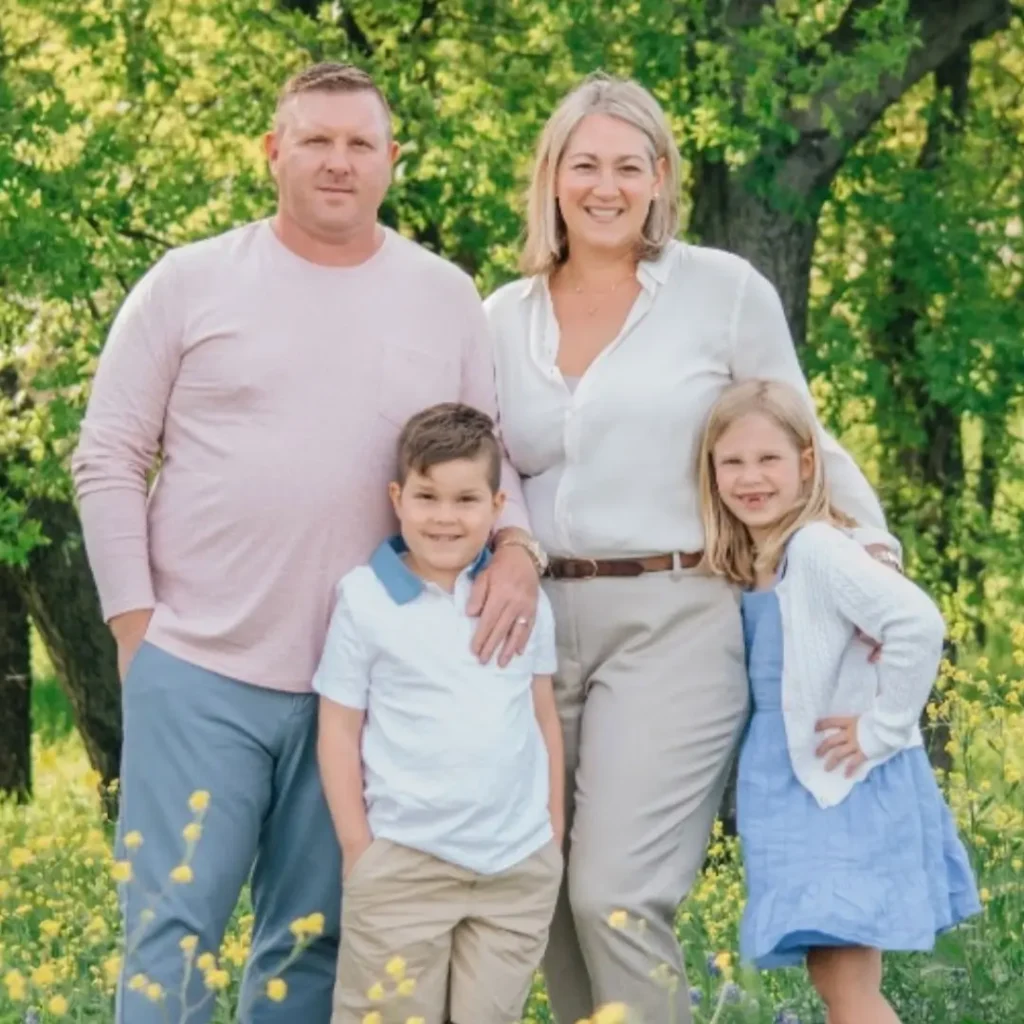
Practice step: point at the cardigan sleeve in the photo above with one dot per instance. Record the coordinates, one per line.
(890, 609)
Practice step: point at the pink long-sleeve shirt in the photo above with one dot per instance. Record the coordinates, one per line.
(273, 389)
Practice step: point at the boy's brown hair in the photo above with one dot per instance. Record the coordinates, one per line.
(329, 76)
(444, 433)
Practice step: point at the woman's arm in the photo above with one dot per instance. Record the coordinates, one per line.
(886, 606)
(339, 755)
(763, 347)
(551, 730)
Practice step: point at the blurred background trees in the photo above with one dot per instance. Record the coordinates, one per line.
(865, 154)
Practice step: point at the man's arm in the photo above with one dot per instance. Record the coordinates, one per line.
(505, 594)
(120, 437)
(551, 730)
(763, 347)
(341, 772)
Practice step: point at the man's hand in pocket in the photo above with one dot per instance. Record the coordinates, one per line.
(129, 631)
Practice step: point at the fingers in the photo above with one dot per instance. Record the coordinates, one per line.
(854, 763)
(835, 722)
(493, 629)
(516, 641)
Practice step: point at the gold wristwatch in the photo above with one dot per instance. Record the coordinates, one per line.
(537, 554)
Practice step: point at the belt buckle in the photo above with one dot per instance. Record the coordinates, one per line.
(594, 574)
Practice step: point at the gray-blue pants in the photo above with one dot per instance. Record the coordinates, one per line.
(254, 751)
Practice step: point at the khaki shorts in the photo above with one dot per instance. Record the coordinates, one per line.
(470, 943)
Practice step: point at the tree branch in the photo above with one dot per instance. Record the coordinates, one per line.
(944, 27)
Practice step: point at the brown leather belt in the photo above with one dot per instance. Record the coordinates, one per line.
(591, 568)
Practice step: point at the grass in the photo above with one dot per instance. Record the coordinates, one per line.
(60, 948)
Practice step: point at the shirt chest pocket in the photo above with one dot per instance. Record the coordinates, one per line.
(410, 380)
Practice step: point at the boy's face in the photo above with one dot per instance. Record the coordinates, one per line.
(447, 513)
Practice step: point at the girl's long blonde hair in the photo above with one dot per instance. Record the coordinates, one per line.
(728, 548)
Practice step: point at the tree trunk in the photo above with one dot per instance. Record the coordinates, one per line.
(728, 214)
(15, 690)
(62, 601)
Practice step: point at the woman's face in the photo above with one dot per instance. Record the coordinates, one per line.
(606, 181)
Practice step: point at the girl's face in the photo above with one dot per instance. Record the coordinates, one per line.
(760, 472)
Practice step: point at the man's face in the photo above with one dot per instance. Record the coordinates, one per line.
(331, 155)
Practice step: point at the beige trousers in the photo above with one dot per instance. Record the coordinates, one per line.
(652, 693)
(470, 943)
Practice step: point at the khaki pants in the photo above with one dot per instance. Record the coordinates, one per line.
(471, 943)
(652, 693)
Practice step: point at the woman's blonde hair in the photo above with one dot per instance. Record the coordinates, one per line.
(728, 548)
(546, 244)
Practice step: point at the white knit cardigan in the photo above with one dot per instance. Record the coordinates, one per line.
(831, 587)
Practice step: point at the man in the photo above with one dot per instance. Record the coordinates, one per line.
(271, 367)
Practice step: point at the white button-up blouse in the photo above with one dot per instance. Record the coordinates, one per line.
(610, 468)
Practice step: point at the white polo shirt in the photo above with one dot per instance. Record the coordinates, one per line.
(453, 757)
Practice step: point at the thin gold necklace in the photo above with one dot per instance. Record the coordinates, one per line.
(591, 310)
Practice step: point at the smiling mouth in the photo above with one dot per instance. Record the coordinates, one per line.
(605, 216)
(754, 500)
(438, 538)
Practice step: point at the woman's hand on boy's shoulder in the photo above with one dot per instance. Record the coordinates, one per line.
(505, 597)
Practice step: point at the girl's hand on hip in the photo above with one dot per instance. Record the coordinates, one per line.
(842, 745)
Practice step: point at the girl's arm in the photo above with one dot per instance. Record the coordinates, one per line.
(551, 729)
(339, 738)
(889, 608)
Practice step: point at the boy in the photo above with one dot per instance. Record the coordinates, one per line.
(444, 776)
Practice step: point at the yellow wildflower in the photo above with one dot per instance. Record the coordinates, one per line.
(154, 992)
(121, 871)
(188, 944)
(199, 800)
(984, 895)
(406, 987)
(138, 982)
(395, 968)
(415, 1020)
(50, 928)
(20, 856)
(618, 919)
(15, 985)
(112, 967)
(192, 831)
(373, 1017)
(277, 989)
(206, 962)
(44, 976)
(375, 993)
(610, 1013)
(182, 874)
(217, 979)
(58, 1006)
(133, 840)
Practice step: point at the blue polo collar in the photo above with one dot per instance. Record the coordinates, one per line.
(401, 583)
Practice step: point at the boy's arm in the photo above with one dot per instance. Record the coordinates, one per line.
(341, 772)
(551, 729)
(343, 681)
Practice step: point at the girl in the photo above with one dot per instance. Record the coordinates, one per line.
(848, 846)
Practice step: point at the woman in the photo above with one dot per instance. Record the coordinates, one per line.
(609, 354)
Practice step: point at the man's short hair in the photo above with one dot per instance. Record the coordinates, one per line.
(329, 76)
(444, 433)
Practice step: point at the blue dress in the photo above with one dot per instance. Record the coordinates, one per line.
(884, 868)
